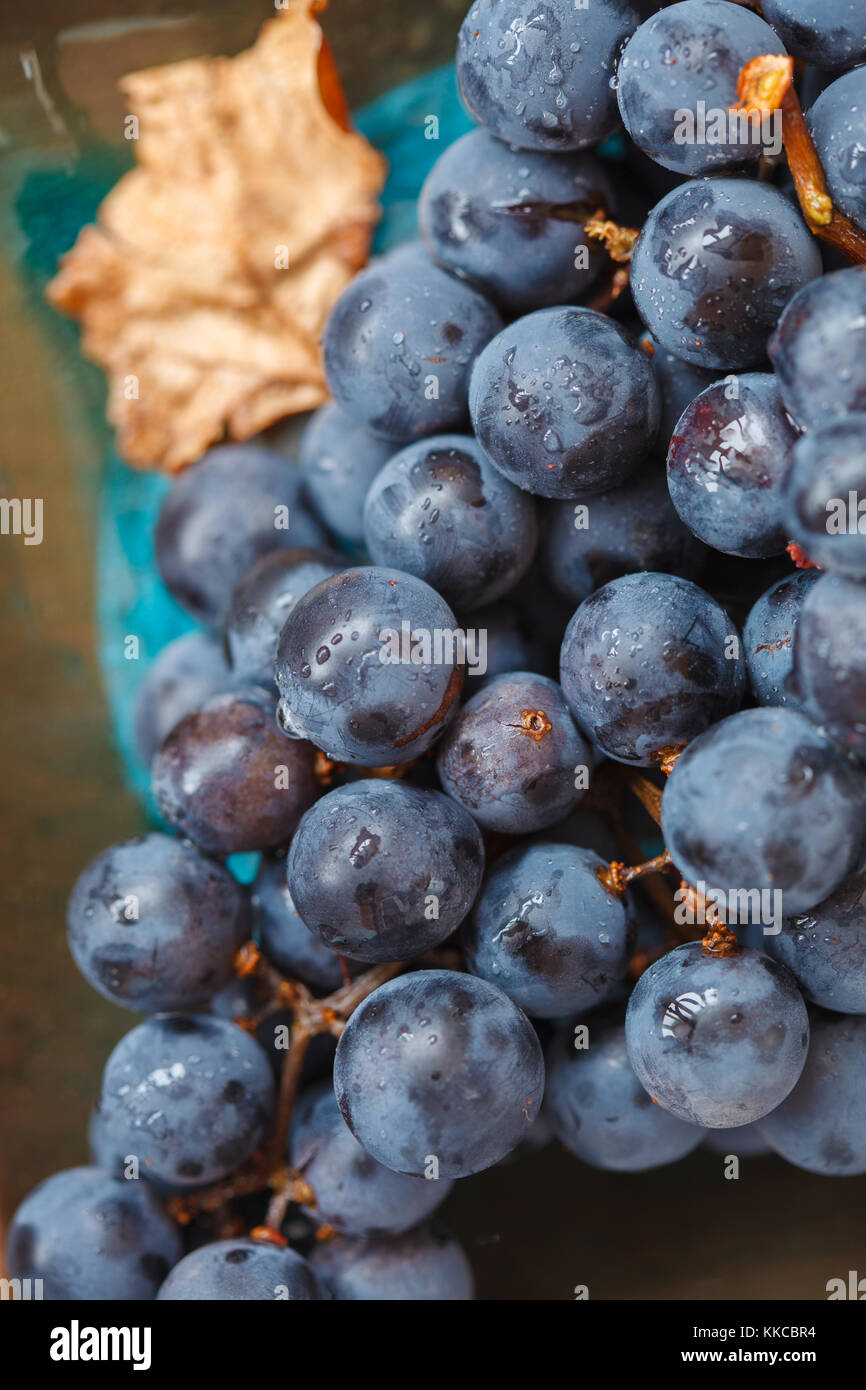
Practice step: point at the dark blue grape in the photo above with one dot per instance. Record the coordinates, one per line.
(727, 463)
(632, 527)
(599, 1110)
(513, 756)
(837, 124)
(487, 209)
(105, 1155)
(563, 404)
(768, 638)
(369, 667)
(237, 503)
(547, 932)
(241, 1271)
(399, 345)
(818, 350)
(679, 383)
(540, 75)
(823, 495)
(180, 678)
(763, 803)
(715, 265)
(647, 663)
(90, 1237)
(825, 948)
(537, 1139)
(829, 673)
(424, 1265)
(189, 1095)
(822, 1125)
(262, 601)
(717, 1040)
(687, 59)
(227, 778)
(155, 926)
(339, 460)
(354, 1194)
(284, 936)
(829, 33)
(382, 871)
(439, 1072)
(744, 1141)
(441, 511)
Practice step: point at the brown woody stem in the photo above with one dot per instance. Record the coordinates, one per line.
(310, 1017)
(766, 85)
(720, 940)
(647, 793)
(799, 556)
(616, 877)
(617, 241)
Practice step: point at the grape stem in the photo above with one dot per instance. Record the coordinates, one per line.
(310, 1017)
(618, 241)
(600, 799)
(616, 877)
(666, 758)
(718, 939)
(766, 85)
(799, 556)
(647, 793)
(615, 282)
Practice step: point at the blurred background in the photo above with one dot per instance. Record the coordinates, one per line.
(533, 1229)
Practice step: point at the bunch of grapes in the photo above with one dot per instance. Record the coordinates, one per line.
(437, 658)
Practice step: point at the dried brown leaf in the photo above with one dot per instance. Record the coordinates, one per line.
(203, 288)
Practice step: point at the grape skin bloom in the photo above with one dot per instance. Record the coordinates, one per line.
(825, 948)
(339, 686)
(547, 932)
(818, 348)
(828, 469)
(563, 403)
(718, 1041)
(438, 1066)
(513, 755)
(441, 511)
(647, 663)
(539, 74)
(423, 1265)
(768, 638)
(154, 925)
(763, 802)
(599, 1110)
(88, 1237)
(383, 871)
(241, 1271)
(187, 1094)
(485, 208)
(727, 465)
(822, 1125)
(633, 527)
(688, 54)
(211, 529)
(354, 1194)
(717, 261)
(400, 329)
